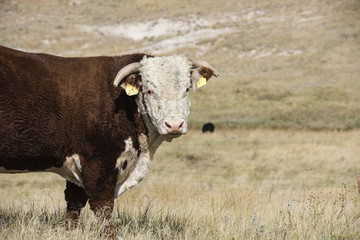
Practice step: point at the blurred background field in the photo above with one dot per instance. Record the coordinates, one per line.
(283, 64)
(283, 160)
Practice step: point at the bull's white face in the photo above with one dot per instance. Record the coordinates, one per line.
(164, 95)
(162, 86)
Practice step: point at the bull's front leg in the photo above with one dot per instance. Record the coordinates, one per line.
(76, 199)
(99, 183)
(103, 209)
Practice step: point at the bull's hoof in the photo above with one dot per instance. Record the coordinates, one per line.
(72, 220)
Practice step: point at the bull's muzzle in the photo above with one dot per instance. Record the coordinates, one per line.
(175, 126)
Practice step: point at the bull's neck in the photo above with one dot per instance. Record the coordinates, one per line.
(154, 139)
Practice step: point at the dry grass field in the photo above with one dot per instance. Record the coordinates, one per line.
(283, 160)
(242, 184)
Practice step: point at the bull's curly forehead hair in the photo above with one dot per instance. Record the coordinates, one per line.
(158, 71)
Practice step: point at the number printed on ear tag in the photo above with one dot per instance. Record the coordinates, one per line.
(201, 82)
(131, 90)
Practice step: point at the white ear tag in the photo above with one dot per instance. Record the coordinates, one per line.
(131, 90)
(201, 82)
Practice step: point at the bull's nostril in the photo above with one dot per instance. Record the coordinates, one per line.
(181, 125)
(167, 125)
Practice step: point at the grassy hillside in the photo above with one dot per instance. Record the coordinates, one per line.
(283, 64)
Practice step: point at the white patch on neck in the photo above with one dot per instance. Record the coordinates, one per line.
(126, 162)
(137, 167)
(70, 170)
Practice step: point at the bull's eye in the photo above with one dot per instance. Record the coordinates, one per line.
(187, 90)
(150, 92)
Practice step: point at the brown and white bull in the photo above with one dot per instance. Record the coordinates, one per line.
(68, 116)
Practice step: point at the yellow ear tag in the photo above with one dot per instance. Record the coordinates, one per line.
(131, 90)
(201, 82)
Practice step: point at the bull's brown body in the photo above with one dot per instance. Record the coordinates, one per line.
(52, 107)
(67, 115)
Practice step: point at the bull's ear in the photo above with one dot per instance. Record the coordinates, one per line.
(131, 84)
(201, 73)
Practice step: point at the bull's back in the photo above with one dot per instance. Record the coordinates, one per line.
(29, 111)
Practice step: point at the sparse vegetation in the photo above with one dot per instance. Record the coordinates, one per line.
(287, 68)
